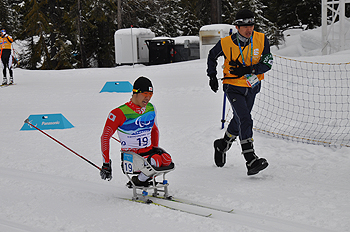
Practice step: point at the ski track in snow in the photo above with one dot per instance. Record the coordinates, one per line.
(257, 221)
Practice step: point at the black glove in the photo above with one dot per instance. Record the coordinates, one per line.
(106, 171)
(213, 82)
(240, 70)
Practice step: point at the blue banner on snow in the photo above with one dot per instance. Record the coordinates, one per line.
(47, 122)
(117, 86)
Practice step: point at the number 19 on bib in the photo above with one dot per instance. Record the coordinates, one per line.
(128, 163)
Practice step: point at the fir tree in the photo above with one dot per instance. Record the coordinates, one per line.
(308, 13)
(55, 16)
(193, 16)
(79, 27)
(5, 22)
(103, 16)
(36, 29)
(139, 13)
(228, 11)
(63, 57)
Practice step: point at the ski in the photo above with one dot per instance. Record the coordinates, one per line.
(3, 86)
(169, 206)
(202, 205)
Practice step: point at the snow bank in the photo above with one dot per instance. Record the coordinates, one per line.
(301, 43)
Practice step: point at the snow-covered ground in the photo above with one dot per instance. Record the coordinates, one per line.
(45, 187)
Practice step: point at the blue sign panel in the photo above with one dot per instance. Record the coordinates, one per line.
(47, 122)
(128, 157)
(117, 86)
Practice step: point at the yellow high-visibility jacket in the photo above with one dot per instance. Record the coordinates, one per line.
(231, 50)
(6, 42)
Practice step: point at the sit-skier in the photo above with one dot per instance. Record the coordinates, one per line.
(137, 129)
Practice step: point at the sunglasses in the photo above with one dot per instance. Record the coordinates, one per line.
(244, 21)
(145, 94)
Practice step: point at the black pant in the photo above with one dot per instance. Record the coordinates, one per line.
(6, 59)
(242, 101)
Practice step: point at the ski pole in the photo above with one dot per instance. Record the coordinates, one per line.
(223, 112)
(116, 139)
(27, 121)
(14, 56)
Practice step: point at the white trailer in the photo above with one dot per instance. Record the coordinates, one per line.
(130, 45)
(209, 35)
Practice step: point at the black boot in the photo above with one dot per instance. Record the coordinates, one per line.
(254, 163)
(4, 81)
(137, 182)
(221, 146)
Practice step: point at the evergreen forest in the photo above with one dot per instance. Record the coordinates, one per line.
(67, 34)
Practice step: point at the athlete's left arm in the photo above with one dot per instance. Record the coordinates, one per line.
(266, 59)
(155, 131)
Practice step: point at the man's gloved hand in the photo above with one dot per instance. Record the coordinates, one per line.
(106, 171)
(213, 82)
(240, 70)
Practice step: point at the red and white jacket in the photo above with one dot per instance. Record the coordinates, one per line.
(136, 126)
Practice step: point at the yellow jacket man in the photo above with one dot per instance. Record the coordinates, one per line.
(247, 58)
(6, 56)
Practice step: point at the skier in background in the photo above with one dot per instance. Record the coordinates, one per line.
(137, 129)
(6, 56)
(247, 58)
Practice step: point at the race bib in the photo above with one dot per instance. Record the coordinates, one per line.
(252, 80)
(128, 163)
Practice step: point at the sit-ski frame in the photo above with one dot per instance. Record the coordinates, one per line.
(133, 163)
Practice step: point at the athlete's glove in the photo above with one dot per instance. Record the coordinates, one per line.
(239, 70)
(213, 82)
(106, 171)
